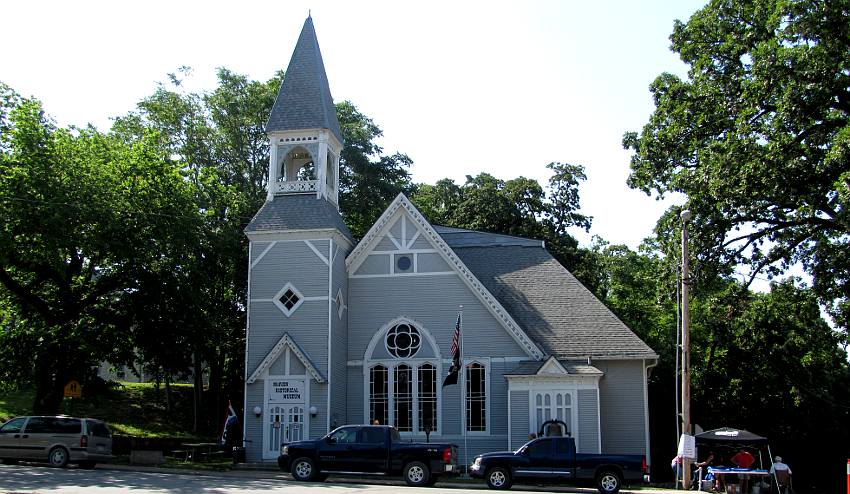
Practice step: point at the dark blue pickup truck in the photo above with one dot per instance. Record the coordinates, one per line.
(554, 459)
(368, 450)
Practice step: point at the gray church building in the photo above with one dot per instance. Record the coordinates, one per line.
(346, 331)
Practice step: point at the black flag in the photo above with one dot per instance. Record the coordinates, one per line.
(451, 377)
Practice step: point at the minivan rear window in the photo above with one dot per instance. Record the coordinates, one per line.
(98, 429)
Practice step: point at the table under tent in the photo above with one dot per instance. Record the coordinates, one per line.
(724, 442)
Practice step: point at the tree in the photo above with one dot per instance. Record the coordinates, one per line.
(519, 207)
(368, 180)
(82, 215)
(758, 139)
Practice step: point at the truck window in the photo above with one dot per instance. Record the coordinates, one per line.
(372, 435)
(345, 435)
(540, 449)
(395, 435)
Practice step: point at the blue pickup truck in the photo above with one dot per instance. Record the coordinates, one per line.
(554, 459)
(368, 450)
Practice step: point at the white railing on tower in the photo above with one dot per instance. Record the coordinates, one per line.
(296, 186)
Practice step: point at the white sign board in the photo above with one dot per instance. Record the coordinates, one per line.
(687, 447)
(286, 391)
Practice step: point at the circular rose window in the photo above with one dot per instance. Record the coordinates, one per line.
(403, 341)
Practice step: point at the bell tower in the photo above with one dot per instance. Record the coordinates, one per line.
(297, 335)
(304, 135)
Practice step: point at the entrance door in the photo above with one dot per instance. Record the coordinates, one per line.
(284, 424)
(293, 425)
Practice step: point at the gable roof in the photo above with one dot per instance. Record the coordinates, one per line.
(372, 237)
(304, 100)
(285, 341)
(572, 368)
(548, 302)
(294, 212)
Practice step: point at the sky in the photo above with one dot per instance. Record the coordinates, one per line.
(461, 87)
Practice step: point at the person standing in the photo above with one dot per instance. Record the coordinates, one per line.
(782, 473)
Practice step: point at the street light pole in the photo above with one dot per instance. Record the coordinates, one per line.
(686, 352)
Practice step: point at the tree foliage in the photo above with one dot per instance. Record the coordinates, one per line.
(83, 214)
(758, 139)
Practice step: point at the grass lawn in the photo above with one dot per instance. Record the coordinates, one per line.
(130, 409)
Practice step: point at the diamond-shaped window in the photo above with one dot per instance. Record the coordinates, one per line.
(288, 299)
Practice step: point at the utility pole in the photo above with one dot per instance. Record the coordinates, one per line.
(686, 352)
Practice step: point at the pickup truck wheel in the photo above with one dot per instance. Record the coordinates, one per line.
(498, 478)
(417, 474)
(303, 469)
(608, 482)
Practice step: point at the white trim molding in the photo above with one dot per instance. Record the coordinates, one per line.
(285, 341)
(381, 227)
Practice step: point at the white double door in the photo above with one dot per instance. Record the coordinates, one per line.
(284, 423)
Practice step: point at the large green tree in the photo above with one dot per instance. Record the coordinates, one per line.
(758, 138)
(82, 215)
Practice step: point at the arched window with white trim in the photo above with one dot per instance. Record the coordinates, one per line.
(402, 365)
(476, 397)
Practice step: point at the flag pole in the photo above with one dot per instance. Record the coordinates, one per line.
(463, 391)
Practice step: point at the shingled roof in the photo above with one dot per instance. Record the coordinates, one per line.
(562, 316)
(297, 212)
(304, 100)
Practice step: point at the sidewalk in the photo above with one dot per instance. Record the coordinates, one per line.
(263, 471)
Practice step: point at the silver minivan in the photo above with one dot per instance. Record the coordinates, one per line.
(58, 440)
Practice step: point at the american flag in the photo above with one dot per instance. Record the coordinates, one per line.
(456, 340)
(451, 378)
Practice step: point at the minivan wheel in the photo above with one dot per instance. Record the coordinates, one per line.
(58, 457)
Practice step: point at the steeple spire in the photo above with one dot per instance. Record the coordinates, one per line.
(304, 101)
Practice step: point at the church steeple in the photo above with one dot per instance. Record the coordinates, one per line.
(304, 133)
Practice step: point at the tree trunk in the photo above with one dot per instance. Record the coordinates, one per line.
(168, 392)
(198, 391)
(50, 380)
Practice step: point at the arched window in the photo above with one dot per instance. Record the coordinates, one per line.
(427, 397)
(403, 365)
(378, 394)
(476, 398)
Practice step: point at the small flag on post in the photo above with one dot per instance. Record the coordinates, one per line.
(229, 420)
(451, 377)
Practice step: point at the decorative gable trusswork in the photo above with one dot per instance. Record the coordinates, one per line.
(380, 228)
(285, 342)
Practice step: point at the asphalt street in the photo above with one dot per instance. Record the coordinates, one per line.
(38, 479)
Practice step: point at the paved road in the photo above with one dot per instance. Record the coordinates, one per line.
(35, 479)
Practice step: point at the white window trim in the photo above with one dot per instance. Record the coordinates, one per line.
(414, 365)
(340, 301)
(276, 300)
(484, 361)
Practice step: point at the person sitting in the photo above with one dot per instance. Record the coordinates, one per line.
(782, 473)
(676, 465)
(702, 469)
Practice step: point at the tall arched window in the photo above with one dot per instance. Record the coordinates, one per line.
(378, 394)
(476, 398)
(403, 365)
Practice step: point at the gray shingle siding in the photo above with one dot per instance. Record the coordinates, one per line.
(432, 301)
(520, 420)
(622, 406)
(588, 433)
(339, 343)
(304, 100)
